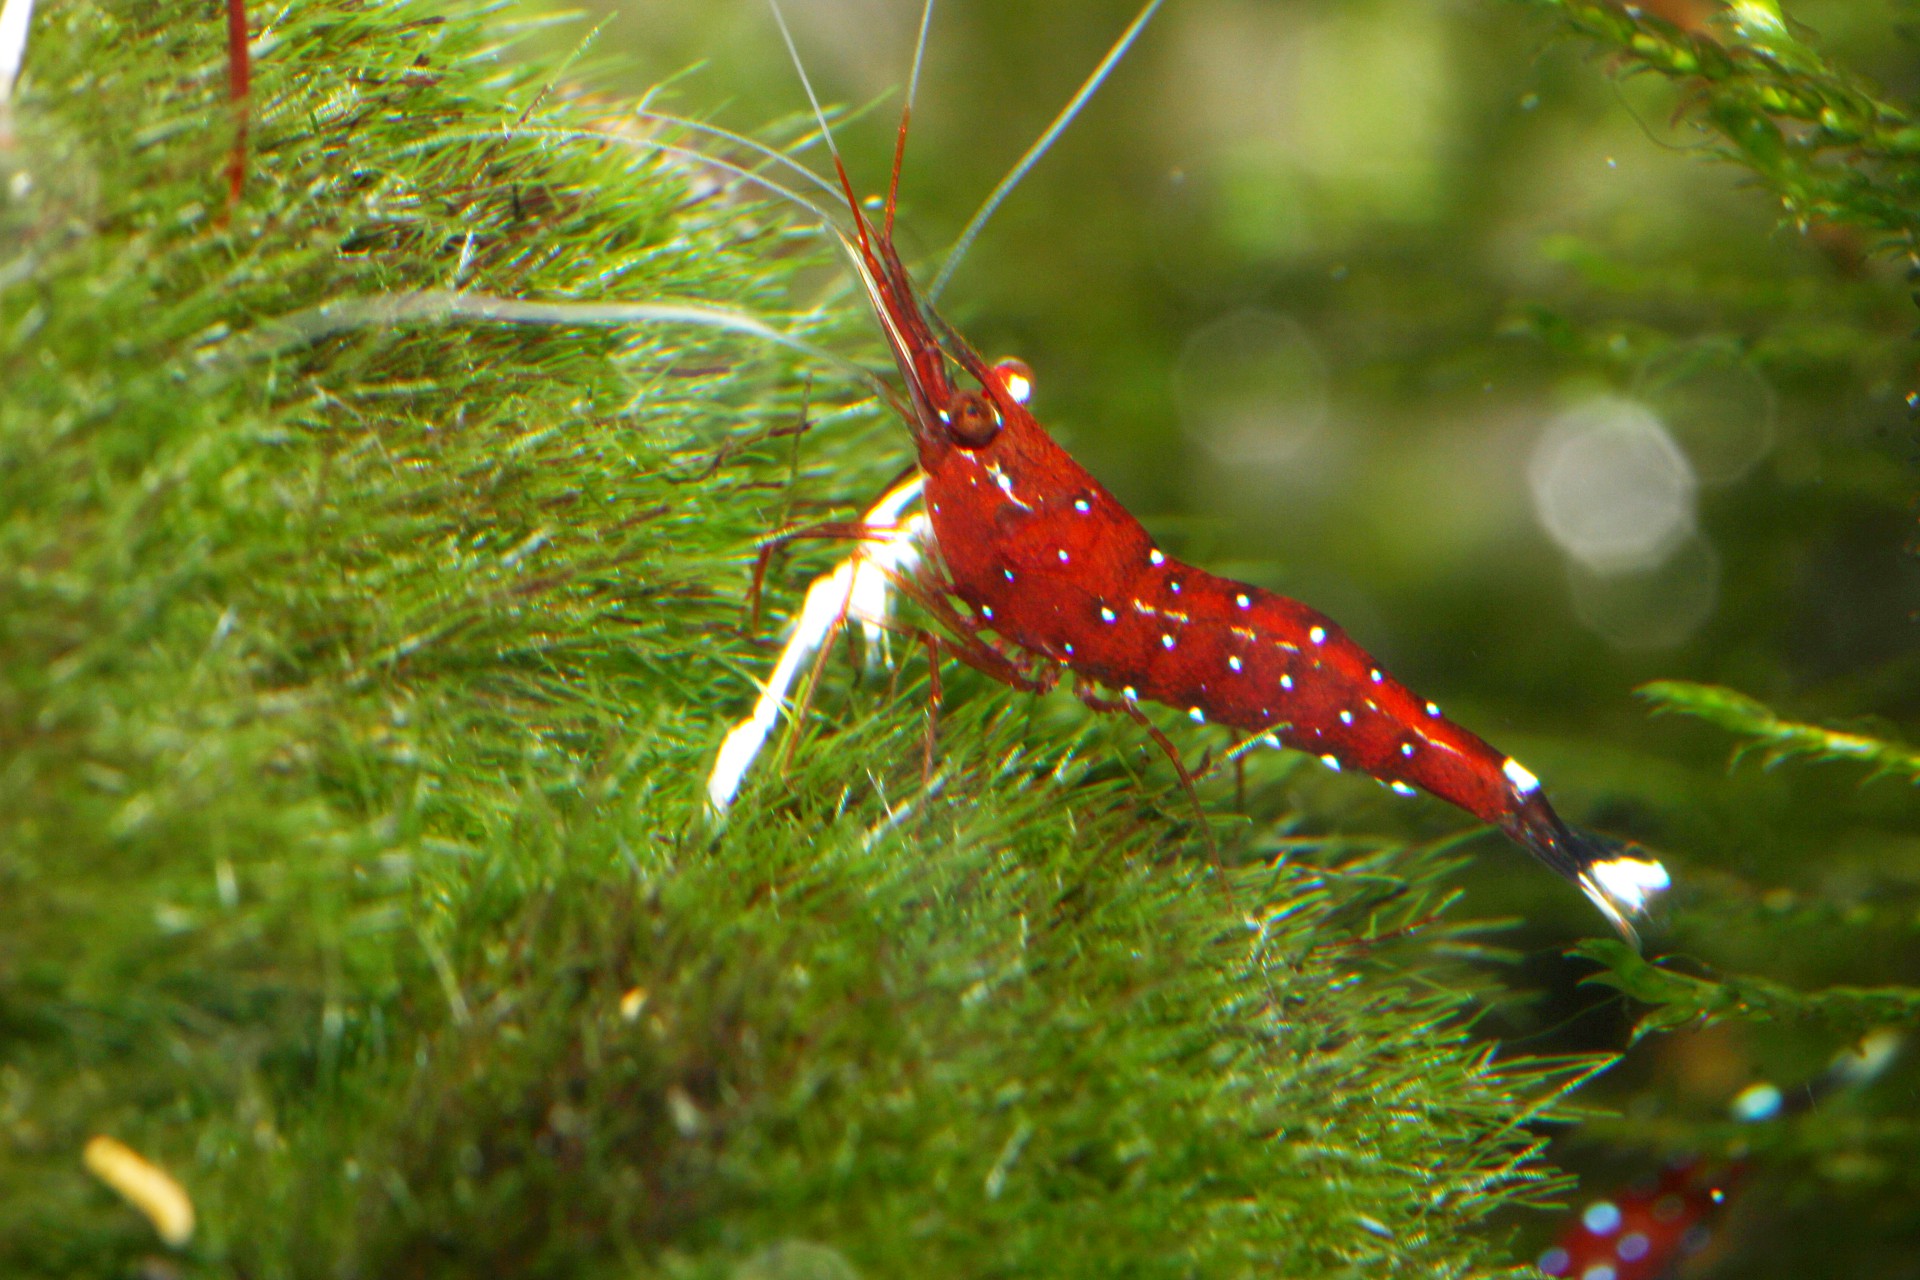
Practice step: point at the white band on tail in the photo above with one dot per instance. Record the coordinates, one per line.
(1621, 887)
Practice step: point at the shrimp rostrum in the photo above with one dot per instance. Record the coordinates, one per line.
(1062, 575)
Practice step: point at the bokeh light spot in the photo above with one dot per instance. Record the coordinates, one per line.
(1610, 486)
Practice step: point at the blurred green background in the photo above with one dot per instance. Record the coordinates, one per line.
(1421, 311)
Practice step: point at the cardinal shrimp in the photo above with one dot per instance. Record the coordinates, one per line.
(1035, 570)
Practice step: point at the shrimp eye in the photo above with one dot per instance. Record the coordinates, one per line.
(974, 421)
(1015, 377)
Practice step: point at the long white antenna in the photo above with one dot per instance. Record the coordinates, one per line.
(919, 52)
(1026, 162)
(793, 51)
(771, 154)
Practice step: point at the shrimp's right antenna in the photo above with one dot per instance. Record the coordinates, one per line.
(1026, 162)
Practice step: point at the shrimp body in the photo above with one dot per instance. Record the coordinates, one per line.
(1053, 564)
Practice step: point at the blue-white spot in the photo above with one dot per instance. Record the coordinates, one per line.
(1106, 614)
(1286, 682)
(1233, 660)
(1331, 763)
(1346, 717)
(1318, 635)
(1156, 557)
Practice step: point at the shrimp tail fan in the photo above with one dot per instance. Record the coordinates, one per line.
(1616, 875)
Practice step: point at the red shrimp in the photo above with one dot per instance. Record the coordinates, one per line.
(1052, 564)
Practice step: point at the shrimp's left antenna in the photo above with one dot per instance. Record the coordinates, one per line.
(906, 113)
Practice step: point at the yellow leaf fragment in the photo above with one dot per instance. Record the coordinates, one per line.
(144, 1185)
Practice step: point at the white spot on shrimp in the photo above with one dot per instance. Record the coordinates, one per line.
(1243, 601)
(1402, 789)
(1130, 693)
(1406, 749)
(1166, 642)
(1233, 661)
(1173, 585)
(1009, 574)
(1106, 614)
(1346, 717)
(1286, 682)
(1318, 635)
(1433, 709)
(1082, 505)
(1523, 782)
(1069, 648)
(1019, 389)
(1196, 715)
(1063, 555)
(1374, 675)
(1006, 485)
(945, 416)
(987, 611)
(1155, 557)
(1331, 763)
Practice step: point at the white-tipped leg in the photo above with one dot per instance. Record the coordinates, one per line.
(859, 588)
(1621, 887)
(893, 551)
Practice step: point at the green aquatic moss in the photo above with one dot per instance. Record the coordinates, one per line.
(356, 691)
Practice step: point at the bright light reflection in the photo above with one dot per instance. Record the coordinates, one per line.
(1610, 486)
